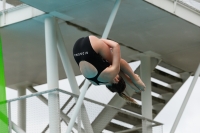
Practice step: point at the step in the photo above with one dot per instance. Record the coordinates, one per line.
(176, 86)
(158, 107)
(170, 67)
(155, 100)
(157, 88)
(133, 108)
(137, 109)
(165, 77)
(127, 119)
(115, 127)
(167, 96)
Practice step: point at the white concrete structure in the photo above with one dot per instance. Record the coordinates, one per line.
(139, 26)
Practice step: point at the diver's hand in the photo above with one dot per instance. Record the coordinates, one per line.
(116, 79)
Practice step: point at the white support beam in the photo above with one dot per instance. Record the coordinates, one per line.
(78, 107)
(178, 9)
(111, 19)
(4, 4)
(180, 113)
(71, 77)
(145, 73)
(66, 62)
(52, 74)
(21, 113)
(18, 14)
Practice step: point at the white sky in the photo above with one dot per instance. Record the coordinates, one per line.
(189, 122)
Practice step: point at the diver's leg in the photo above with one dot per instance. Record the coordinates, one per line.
(128, 81)
(124, 66)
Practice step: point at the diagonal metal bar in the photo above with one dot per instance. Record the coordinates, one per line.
(78, 106)
(64, 106)
(178, 117)
(17, 129)
(111, 19)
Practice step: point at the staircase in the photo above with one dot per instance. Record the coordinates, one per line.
(160, 97)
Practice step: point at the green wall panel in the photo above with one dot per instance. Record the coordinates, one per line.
(3, 106)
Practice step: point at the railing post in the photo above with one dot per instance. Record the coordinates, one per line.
(9, 117)
(174, 8)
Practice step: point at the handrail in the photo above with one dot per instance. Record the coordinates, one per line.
(87, 99)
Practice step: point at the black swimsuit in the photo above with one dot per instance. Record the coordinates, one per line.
(83, 51)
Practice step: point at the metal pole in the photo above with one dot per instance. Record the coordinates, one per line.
(79, 121)
(4, 4)
(175, 3)
(196, 76)
(78, 106)
(22, 109)
(66, 62)
(9, 118)
(52, 74)
(71, 77)
(145, 71)
(111, 19)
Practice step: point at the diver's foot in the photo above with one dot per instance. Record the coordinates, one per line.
(139, 84)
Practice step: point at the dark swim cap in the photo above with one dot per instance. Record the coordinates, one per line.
(119, 87)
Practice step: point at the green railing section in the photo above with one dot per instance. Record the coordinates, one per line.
(3, 106)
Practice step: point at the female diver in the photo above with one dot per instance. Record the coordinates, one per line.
(100, 62)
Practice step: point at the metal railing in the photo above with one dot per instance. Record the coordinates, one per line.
(67, 102)
(7, 4)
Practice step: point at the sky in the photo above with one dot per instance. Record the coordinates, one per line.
(189, 122)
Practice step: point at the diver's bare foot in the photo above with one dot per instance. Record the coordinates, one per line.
(139, 84)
